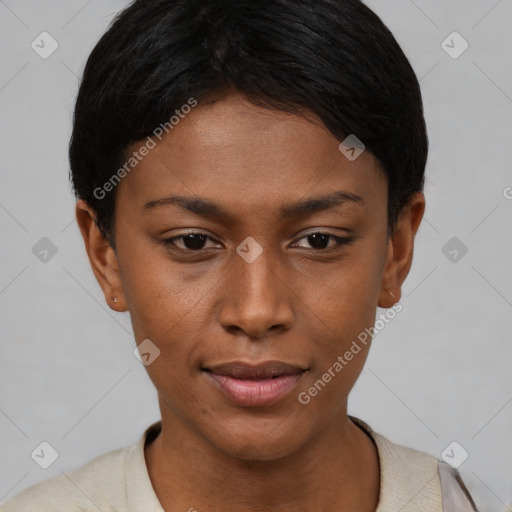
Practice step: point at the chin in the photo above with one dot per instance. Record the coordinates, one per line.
(258, 439)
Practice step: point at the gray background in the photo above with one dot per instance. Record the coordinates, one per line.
(439, 372)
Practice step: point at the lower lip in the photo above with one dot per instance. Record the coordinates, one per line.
(255, 393)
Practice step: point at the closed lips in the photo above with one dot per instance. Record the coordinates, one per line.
(266, 370)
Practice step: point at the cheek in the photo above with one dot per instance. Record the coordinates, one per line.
(340, 323)
(344, 297)
(326, 390)
(159, 295)
(341, 309)
(168, 306)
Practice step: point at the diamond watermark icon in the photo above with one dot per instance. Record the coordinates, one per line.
(249, 249)
(454, 454)
(44, 455)
(454, 45)
(146, 352)
(352, 147)
(454, 249)
(44, 250)
(44, 45)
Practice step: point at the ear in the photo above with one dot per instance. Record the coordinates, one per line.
(102, 257)
(400, 250)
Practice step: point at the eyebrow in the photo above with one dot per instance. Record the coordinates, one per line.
(206, 208)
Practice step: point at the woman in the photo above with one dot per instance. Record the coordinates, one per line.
(249, 177)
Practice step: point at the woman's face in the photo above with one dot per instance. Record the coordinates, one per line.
(253, 285)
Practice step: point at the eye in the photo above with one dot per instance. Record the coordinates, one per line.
(195, 242)
(319, 240)
(192, 241)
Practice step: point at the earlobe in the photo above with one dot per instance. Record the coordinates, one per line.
(388, 298)
(400, 251)
(102, 257)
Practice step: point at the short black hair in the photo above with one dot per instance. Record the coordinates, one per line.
(335, 58)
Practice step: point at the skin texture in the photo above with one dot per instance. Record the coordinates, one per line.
(295, 303)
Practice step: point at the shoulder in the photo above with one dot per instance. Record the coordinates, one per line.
(412, 480)
(88, 488)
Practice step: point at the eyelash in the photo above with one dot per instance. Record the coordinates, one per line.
(340, 241)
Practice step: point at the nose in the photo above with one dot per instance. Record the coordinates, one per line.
(257, 298)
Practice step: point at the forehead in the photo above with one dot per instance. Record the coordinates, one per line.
(238, 153)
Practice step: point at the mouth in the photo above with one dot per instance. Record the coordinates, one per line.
(258, 385)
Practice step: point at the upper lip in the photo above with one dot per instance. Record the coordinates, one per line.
(265, 370)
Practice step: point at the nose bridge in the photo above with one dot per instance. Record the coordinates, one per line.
(256, 299)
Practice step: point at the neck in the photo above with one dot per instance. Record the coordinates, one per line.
(336, 470)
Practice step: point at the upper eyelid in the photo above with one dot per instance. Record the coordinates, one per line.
(319, 231)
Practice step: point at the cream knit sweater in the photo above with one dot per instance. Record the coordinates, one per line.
(118, 481)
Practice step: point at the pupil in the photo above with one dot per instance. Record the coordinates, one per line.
(194, 241)
(316, 237)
